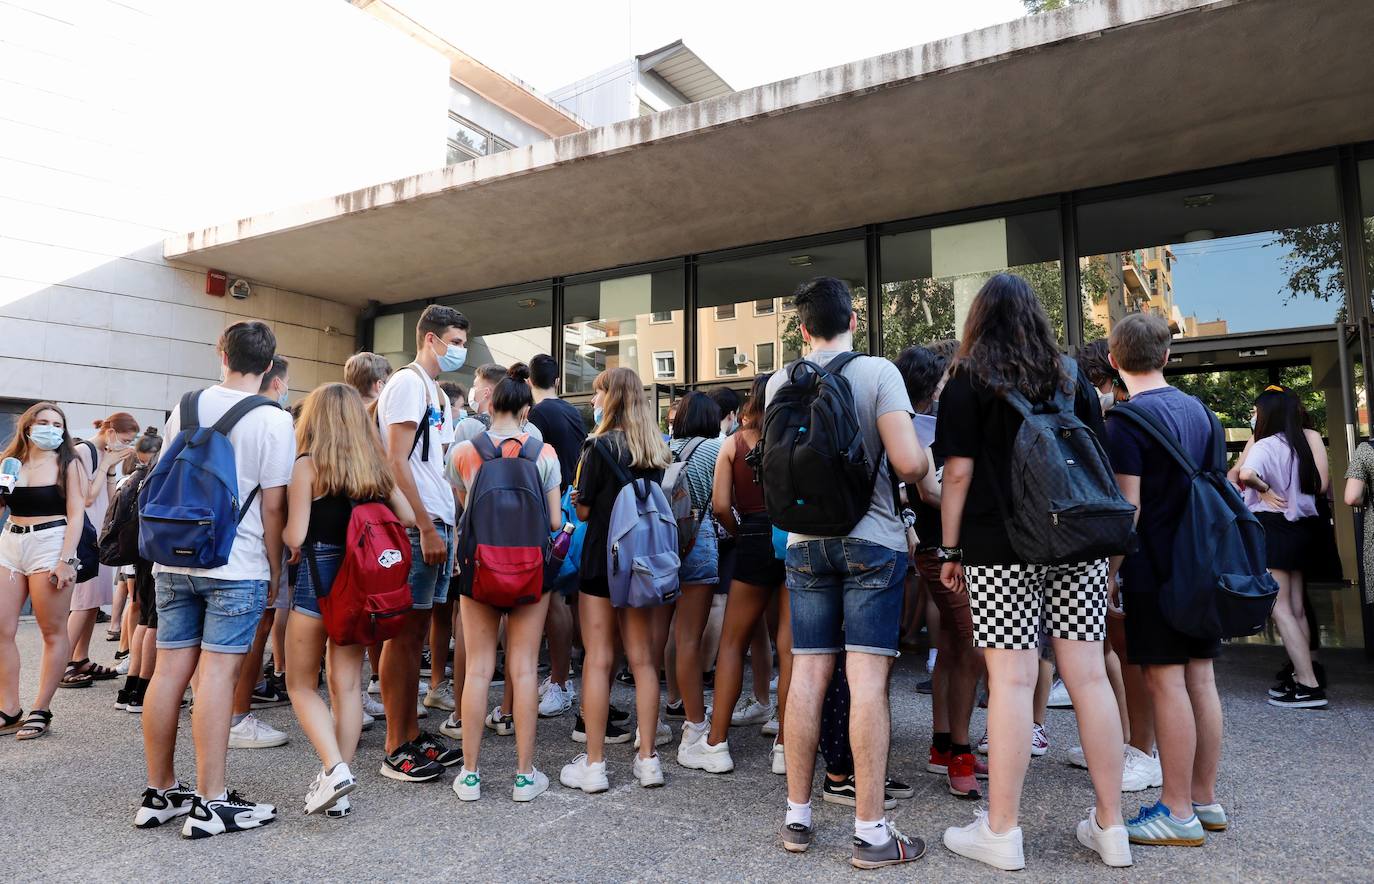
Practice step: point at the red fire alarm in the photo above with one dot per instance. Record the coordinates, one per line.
(215, 282)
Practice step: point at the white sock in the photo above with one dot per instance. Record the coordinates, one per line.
(463, 772)
(220, 797)
(798, 813)
(699, 726)
(874, 832)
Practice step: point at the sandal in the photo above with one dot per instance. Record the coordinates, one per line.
(36, 725)
(74, 677)
(100, 673)
(11, 723)
(112, 635)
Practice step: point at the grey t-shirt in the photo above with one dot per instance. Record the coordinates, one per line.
(878, 390)
(470, 428)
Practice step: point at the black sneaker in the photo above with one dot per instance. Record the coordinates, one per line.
(898, 849)
(617, 716)
(437, 750)
(426, 663)
(614, 733)
(267, 695)
(925, 687)
(410, 765)
(844, 792)
(1300, 697)
(135, 704)
(675, 711)
(119, 655)
(898, 789)
(625, 677)
(1282, 686)
(101, 616)
(233, 813)
(122, 698)
(163, 805)
(498, 677)
(708, 680)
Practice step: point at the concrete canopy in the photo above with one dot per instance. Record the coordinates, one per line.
(1094, 94)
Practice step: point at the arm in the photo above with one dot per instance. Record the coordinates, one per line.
(64, 575)
(723, 489)
(401, 507)
(1354, 492)
(399, 438)
(1130, 489)
(299, 495)
(1314, 441)
(953, 494)
(273, 523)
(1248, 478)
(583, 480)
(904, 454)
(1233, 474)
(555, 504)
(929, 487)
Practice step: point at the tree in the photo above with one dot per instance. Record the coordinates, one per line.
(1034, 7)
(1313, 262)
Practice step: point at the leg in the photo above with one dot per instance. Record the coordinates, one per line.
(1044, 680)
(250, 665)
(1081, 664)
(80, 624)
(1202, 692)
(481, 623)
(460, 660)
(784, 643)
(688, 624)
(306, 639)
(811, 675)
(1177, 735)
(559, 629)
(939, 683)
(150, 654)
(670, 654)
(15, 589)
(135, 638)
(761, 661)
(744, 608)
(117, 609)
(598, 638)
(50, 609)
(280, 620)
(161, 709)
(643, 655)
(869, 729)
(834, 729)
(210, 718)
(345, 694)
(524, 629)
(1118, 683)
(1292, 625)
(710, 636)
(1141, 729)
(401, 679)
(440, 632)
(1011, 689)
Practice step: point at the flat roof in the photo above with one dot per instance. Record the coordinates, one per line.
(1093, 94)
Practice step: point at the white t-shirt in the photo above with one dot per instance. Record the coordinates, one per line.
(403, 400)
(264, 452)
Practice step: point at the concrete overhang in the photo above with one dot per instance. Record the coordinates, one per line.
(1027, 108)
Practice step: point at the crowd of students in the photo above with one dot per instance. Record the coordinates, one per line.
(940, 431)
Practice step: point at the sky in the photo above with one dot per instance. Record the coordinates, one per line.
(748, 43)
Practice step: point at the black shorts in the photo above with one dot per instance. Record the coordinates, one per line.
(1285, 542)
(146, 594)
(595, 586)
(755, 562)
(726, 567)
(1151, 641)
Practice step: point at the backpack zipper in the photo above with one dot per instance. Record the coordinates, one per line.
(615, 557)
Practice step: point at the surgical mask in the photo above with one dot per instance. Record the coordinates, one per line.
(1252, 421)
(117, 446)
(462, 414)
(284, 400)
(1106, 400)
(453, 358)
(597, 414)
(46, 437)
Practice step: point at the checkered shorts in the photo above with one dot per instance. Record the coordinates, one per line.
(1010, 601)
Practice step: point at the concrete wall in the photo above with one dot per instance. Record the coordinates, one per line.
(123, 122)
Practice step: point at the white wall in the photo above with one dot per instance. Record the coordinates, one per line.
(604, 97)
(471, 106)
(123, 122)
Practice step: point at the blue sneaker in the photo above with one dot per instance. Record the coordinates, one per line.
(1213, 817)
(1156, 825)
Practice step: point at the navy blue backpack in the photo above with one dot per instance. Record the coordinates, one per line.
(1219, 586)
(189, 509)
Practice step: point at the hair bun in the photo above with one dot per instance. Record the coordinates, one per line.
(150, 430)
(519, 371)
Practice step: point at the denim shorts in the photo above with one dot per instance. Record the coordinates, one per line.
(306, 597)
(429, 583)
(32, 552)
(702, 565)
(846, 595)
(216, 615)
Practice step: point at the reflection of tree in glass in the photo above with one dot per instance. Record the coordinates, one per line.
(790, 335)
(1231, 394)
(1313, 262)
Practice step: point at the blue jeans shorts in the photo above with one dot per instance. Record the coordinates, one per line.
(215, 615)
(846, 595)
(429, 583)
(327, 559)
(702, 565)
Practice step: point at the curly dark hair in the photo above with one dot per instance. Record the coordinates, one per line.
(1008, 342)
(1093, 359)
(921, 370)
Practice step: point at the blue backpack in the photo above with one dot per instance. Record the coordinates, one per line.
(189, 509)
(642, 559)
(1218, 586)
(566, 578)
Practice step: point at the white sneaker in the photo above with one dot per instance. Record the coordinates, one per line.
(582, 774)
(502, 724)
(662, 737)
(421, 711)
(373, 707)
(529, 786)
(649, 771)
(1140, 771)
(452, 727)
(982, 747)
(697, 753)
(440, 697)
(779, 760)
(253, 733)
(123, 667)
(368, 722)
(374, 686)
(750, 711)
(554, 701)
(770, 727)
(773, 685)
(977, 841)
(1113, 844)
(341, 809)
(1076, 757)
(467, 785)
(329, 787)
(1059, 696)
(1040, 740)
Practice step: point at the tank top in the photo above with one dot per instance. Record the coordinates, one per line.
(30, 501)
(748, 493)
(329, 520)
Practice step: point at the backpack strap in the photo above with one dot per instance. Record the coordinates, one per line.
(621, 474)
(226, 423)
(690, 448)
(188, 410)
(1062, 400)
(95, 455)
(1153, 428)
(837, 365)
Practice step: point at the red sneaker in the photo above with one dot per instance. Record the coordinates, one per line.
(980, 767)
(962, 781)
(939, 761)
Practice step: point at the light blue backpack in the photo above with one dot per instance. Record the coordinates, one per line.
(642, 559)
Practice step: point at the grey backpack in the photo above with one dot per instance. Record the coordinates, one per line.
(642, 545)
(677, 489)
(1064, 503)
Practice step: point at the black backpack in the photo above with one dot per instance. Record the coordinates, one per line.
(1218, 585)
(817, 478)
(118, 542)
(1064, 505)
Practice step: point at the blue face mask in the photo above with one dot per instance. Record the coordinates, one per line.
(284, 400)
(46, 437)
(453, 358)
(597, 414)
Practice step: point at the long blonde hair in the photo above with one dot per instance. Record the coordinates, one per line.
(624, 407)
(344, 448)
(20, 447)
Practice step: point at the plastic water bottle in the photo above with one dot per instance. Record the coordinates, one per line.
(562, 542)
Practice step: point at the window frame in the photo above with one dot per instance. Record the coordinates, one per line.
(734, 369)
(772, 356)
(671, 357)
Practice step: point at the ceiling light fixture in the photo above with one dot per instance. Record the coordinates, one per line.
(1202, 234)
(800, 260)
(527, 303)
(1199, 200)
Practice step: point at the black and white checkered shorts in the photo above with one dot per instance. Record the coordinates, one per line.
(1010, 601)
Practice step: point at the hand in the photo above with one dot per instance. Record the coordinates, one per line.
(272, 592)
(912, 541)
(432, 547)
(1272, 498)
(952, 576)
(1114, 596)
(293, 555)
(64, 575)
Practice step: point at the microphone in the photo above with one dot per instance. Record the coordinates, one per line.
(9, 474)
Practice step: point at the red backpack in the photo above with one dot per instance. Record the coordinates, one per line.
(371, 593)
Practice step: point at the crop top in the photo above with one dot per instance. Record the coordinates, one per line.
(30, 501)
(748, 492)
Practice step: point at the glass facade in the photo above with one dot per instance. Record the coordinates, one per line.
(930, 277)
(630, 321)
(1367, 212)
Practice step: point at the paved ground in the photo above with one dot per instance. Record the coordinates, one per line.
(1296, 783)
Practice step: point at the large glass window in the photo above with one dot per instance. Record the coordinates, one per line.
(745, 310)
(1367, 207)
(930, 277)
(619, 323)
(1236, 256)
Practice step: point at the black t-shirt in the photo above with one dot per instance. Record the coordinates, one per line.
(975, 422)
(1163, 485)
(561, 425)
(597, 486)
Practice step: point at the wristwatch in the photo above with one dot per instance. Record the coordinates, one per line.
(69, 560)
(949, 553)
